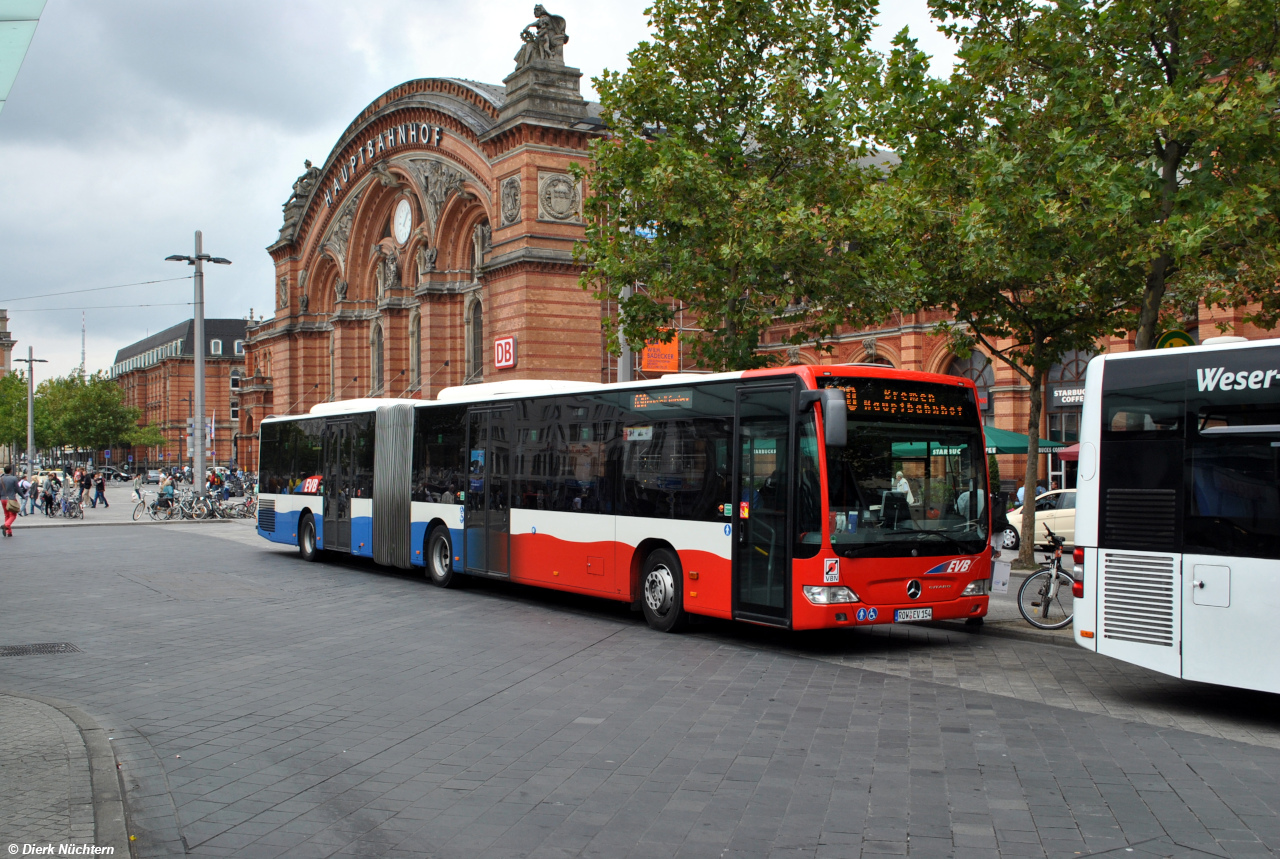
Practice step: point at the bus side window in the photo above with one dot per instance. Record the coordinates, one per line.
(1234, 504)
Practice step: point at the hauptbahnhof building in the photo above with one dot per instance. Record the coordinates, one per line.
(434, 247)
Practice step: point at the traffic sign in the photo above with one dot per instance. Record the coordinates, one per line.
(1174, 339)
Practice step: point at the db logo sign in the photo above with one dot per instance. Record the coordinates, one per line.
(504, 353)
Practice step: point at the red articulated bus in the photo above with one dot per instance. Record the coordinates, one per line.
(804, 497)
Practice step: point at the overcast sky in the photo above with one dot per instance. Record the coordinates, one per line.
(135, 122)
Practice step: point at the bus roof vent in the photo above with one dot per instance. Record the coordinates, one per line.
(526, 387)
(1222, 341)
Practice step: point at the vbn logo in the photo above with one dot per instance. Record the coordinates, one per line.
(504, 353)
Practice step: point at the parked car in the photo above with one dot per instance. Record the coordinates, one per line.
(153, 476)
(1055, 508)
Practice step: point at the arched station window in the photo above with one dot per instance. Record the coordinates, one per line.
(977, 367)
(475, 342)
(415, 348)
(375, 359)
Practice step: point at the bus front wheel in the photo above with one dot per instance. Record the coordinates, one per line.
(662, 591)
(307, 539)
(440, 558)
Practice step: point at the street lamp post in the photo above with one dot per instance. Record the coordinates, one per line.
(198, 260)
(191, 425)
(31, 360)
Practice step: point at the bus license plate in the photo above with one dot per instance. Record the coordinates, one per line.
(906, 615)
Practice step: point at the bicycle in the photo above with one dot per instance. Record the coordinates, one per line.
(154, 508)
(1045, 599)
(70, 507)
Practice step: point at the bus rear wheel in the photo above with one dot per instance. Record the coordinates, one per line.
(440, 558)
(661, 591)
(307, 538)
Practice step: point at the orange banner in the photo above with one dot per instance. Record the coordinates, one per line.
(661, 357)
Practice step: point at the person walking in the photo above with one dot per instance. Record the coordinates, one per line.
(24, 495)
(9, 498)
(52, 486)
(99, 490)
(85, 482)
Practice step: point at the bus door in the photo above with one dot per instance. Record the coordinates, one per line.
(339, 479)
(762, 516)
(488, 498)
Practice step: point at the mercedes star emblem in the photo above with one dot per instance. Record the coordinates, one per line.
(913, 589)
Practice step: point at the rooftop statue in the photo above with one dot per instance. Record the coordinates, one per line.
(544, 39)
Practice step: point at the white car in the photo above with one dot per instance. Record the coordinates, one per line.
(1055, 508)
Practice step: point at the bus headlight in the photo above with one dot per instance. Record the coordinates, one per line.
(828, 595)
(975, 588)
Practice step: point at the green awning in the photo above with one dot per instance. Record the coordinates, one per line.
(998, 441)
(1007, 441)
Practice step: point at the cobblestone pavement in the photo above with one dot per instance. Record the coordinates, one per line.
(45, 794)
(262, 706)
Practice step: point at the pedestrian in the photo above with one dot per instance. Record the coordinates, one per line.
(85, 484)
(100, 490)
(24, 495)
(166, 492)
(9, 498)
(1022, 491)
(52, 486)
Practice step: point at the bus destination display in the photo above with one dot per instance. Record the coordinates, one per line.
(881, 398)
(656, 400)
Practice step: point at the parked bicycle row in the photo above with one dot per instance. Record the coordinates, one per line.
(185, 504)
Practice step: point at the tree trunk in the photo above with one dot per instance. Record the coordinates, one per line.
(1152, 297)
(1154, 289)
(1028, 528)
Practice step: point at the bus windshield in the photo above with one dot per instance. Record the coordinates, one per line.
(912, 478)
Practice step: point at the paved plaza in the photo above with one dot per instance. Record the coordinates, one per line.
(259, 706)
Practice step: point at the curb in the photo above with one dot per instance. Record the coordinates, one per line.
(74, 523)
(109, 829)
(993, 631)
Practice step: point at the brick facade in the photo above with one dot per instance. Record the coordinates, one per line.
(493, 217)
(158, 374)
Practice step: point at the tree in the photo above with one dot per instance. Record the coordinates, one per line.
(726, 185)
(13, 410)
(149, 435)
(86, 413)
(1030, 201)
(979, 226)
(1165, 113)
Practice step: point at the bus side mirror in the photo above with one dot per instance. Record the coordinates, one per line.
(835, 416)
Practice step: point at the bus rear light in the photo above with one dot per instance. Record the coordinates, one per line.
(1077, 589)
(1077, 556)
(819, 595)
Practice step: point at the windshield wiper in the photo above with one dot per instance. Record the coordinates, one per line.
(952, 540)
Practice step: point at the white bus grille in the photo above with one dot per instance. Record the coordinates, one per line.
(1137, 598)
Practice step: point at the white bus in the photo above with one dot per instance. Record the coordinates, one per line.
(1178, 512)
